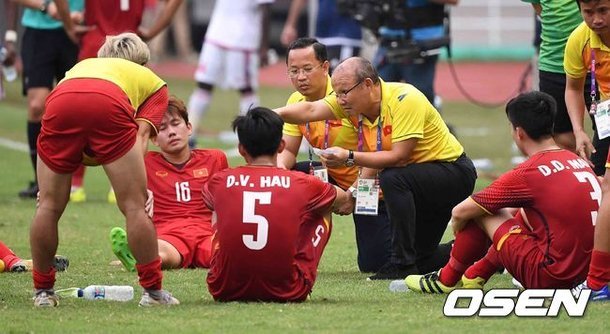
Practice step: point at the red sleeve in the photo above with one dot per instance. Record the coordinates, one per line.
(321, 195)
(508, 191)
(153, 109)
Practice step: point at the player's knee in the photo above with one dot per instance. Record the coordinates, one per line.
(35, 109)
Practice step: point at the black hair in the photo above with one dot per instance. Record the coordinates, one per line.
(534, 112)
(319, 49)
(584, 1)
(259, 131)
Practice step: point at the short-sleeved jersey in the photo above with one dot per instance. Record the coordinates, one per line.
(577, 59)
(559, 18)
(559, 195)
(109, 17)
(340, 133)
(262, 215)
(138, 82)
(34, 18)
(177, 191)
(236, 24)
(405, 113)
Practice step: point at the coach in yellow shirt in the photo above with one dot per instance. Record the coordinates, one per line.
(424, 171)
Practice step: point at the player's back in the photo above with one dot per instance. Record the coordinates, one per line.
(262, 215)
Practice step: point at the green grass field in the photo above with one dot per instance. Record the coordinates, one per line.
(342, 300)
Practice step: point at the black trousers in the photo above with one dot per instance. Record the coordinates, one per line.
(373, 233)
(419, 199)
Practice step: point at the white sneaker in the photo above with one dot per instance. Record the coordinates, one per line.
(161, 297)
(46, 298)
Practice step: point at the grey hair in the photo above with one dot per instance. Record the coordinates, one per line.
(126, 46)
(364, 70)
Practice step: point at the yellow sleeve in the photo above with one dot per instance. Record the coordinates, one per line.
(331, 102)
(573, 63)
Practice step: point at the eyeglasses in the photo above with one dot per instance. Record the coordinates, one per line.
(294, 72)
(344, 94)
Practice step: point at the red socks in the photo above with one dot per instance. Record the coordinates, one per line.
(599, 272)
(77, 176)
(8, 257)
(150, 274)
(486, 267)
(44, 280)
(470, 245)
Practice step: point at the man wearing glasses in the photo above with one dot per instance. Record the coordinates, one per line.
(308, 67)
(424, 170)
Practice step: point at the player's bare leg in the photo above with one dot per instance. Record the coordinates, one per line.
(170, 257)
(54, 195)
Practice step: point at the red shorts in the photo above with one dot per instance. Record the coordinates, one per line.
(86, 115)
(523, 256)
(192, 238)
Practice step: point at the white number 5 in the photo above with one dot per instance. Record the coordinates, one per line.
(259, 241)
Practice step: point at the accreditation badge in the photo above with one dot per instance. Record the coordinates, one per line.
(602, 119)
(321, 173)
(367, 197)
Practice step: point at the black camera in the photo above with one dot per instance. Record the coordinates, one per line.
(392, 20)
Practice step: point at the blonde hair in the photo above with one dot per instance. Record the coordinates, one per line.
(126, 46)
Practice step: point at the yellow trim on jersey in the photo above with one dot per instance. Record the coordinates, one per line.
(406, 113)
(149, 122)
(505, 236)
(138, 82)
(480, 206)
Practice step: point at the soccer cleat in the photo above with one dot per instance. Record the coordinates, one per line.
(61, 263)
(78, 195)
(156, 298)
(429, 283)
(392, 271)
(30, 192)
(111, 197)
(46, 298)
(120, 248)
(473, 283)
(596, 295)
(19, 267)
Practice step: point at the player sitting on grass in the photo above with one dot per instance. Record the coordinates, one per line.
(271, 224)
(12, 263)
(547, 242)
(176, 176)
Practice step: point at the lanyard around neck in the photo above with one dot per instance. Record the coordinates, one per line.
(308, 137)
(361, 135)
(593, 108)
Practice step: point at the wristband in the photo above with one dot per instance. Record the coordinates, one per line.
(10, 36)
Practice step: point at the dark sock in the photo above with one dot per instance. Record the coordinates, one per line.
(33, 132)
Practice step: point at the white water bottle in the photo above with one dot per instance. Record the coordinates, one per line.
(120, 293)
(10, 72)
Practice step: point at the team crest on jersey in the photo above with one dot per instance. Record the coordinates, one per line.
(161, 173)
(200, 172)
(387, 130)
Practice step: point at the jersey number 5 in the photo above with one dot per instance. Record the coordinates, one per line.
(258, 241)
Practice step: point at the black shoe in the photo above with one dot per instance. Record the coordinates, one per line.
(29, 192)
(391, 271)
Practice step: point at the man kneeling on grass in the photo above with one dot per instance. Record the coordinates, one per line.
(271, 224)
(176, 176)
(547, 242)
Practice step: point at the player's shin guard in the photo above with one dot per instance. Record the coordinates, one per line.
(150, 274)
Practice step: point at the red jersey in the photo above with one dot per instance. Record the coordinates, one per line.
(560, 196)
(110, 17)
(177, 191)
(269, 224)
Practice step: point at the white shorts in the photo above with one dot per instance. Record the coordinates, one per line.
(226, 67)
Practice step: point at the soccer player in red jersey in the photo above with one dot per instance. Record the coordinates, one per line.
(176, 177)
(547, 241)
(105, 109)
(271, 224)
(112, 18)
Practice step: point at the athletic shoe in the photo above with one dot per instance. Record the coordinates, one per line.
(473, 283)
(596, 295)
(30, 192)
(46, 298)
(111, 197)
(19, 267)
(61, 263)
(429, 283)
(120, 248)
(157, 298)
(78, 195)
(392, 271)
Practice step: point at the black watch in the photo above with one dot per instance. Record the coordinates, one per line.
(350, 159)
